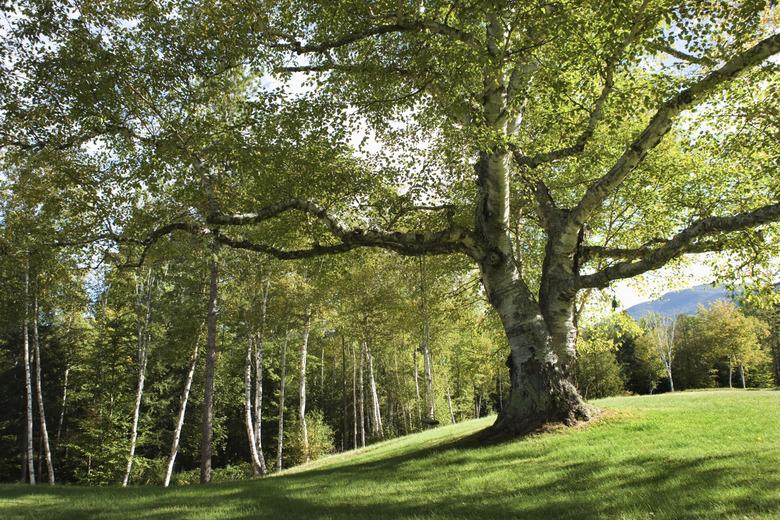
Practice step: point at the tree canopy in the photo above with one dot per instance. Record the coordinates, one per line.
(557, 146)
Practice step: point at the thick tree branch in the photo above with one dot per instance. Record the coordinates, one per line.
(648, 258)
(661, 123)
(452, 239)
(398, 26)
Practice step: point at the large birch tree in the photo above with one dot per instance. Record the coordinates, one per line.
(558, 146)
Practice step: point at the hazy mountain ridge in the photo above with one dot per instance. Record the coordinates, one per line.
(684, 301)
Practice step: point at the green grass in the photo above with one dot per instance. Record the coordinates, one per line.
(688, 455)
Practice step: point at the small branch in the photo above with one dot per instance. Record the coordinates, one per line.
(683, 56)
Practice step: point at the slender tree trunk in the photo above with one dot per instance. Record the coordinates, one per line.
(430, 398)
(282, 376)
(671, 379)
(322, 366)
(361, 403)
(145, 305)
(449, 405)
(302, 386)
(731, 375)
(416, 385)
(259, 355)
(64, 403)
(30, 458)
(344, 414)
(742, 376)
(39, 392)
(376, 415)
(250, 427)
(207, 429)
(354, 399)
(398, 387)
(185, 395)
(259, 352)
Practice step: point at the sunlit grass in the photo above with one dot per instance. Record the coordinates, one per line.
(687, 455)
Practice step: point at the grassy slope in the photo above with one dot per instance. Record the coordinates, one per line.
(687, 455)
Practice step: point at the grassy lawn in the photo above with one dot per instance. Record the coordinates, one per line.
(713, 454)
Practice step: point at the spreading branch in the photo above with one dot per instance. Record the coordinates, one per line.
(689, 240)
(452, 239)
(661, 123)
(290, 42)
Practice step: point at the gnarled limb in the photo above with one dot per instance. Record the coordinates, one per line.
(453, 239)
(683, 242)
(400, 25)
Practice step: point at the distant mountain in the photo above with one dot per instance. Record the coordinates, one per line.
(685, 301)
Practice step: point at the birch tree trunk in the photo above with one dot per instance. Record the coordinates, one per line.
(39, 392)
(207, 430)
(28, 379)
(282, 376)
(430, 398)
(540, 333)
(416, 384)
(354, 399)
(399, 387)
(344, 414)
(64, 404)
(250, 427)
(361, 403)
(742, 376)
(449, 405)
(302, 386)
(259, 354)
(145, 305)
(185, 395)
(376, 414)
(731, 375)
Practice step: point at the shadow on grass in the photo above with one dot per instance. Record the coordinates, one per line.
(448, 480)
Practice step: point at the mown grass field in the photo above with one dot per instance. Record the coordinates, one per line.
(713, 454)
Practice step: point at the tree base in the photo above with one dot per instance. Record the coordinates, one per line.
(539, 399)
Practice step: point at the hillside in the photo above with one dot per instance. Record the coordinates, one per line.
(684, 301)
(685, 455)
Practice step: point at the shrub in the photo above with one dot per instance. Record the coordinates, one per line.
(321, 439)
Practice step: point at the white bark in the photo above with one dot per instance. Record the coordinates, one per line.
(282, 375)
(354, 399)
(250, 427)
(207, 430)
(64, 402)
(361, 403)
(144, 302)
(185, 395)
(430, 397)
(28, 380)
(302, 386)
(664, 334)
(259, 351)
(39, 392)
(416, 384)
(449, 405)
(376, 414)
